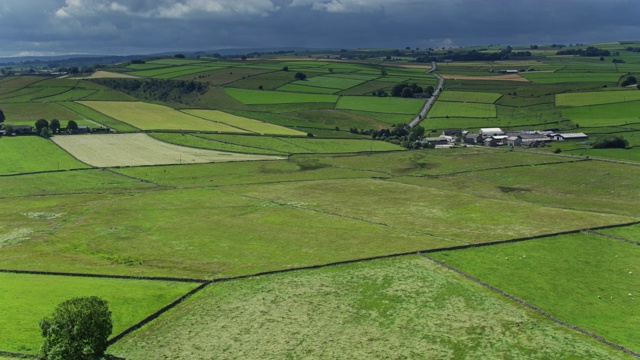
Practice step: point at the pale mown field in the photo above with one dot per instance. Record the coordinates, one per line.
(146, 116)
(140, 149)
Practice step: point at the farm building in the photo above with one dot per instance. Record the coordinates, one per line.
(82, 129)
(486, 132)
(438, 140)
(569, 136)
(21, 129)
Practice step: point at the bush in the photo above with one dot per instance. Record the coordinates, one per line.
(611, 142)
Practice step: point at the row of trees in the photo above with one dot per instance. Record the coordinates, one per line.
(45, 128)
(162, 90)
(589, 51)
(407, 91)
(401, 134)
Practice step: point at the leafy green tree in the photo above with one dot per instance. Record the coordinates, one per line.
(41, 124)
(77, 329)
(72, 125)
(285, 68)
(300, 76)
(2, 117)
(54, 125)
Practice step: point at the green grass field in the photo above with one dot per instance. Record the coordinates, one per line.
(380, 104)
(255, 97)
(582, 279)
(469, 97)
(462, 109)
(563, 77)
(396, 308)
(204, 141)
(26, 299)
(25, 154)
(604, 115)
(596, 98)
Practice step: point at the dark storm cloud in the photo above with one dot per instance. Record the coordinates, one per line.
(145, 26)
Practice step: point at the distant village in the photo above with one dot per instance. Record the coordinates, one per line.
(497, 137)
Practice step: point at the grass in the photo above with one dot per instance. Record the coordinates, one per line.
(70, 182)
(301, 88)
(563, 77)
(380, 104)
(205, 141)
(140, 149)
(460, 109)
(604, 115)
(250, 97)
(581, 279)
(26, 299)
(25, 154)
(397, 308)
(331, 82)
(596, 98)
(626, 232)
(429, 210)
(35, 111)
(117, 230)
(342, 145)
(88, 113)
(472, 97)
(243, 123)
(147, 116)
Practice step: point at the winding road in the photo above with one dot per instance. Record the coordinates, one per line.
(432, 99)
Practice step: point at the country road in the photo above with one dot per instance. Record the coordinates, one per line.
(432, 99)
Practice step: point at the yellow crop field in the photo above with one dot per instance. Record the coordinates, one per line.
(140, 149)
(256, 126)
(146, 116)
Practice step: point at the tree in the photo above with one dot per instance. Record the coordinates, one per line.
(2, 117)
(54, 125)
(285, 68)
(41, 124)
(179, 56)
(77, 329)
(300, 76)
(72, 125)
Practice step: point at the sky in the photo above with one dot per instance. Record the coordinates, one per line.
(128, 27)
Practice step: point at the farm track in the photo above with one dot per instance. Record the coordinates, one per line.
(427, 106)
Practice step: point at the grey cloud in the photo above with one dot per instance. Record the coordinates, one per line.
(145, 26)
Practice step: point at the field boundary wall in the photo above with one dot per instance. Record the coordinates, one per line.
(532, 307)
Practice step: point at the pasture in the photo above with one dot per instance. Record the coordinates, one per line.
(397, 308)
(467, 96)
(604, 115)
(596, 98)
(140, 149)
(586, 280)
(444, 109)
(257, 97)
(27, 154)
(243, 123)
(147, 116)
(26, 299)
(578, 77)
(204, 141)
(380, 104)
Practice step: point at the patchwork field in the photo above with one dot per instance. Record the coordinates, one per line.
(26, 299)
(596, 98)
(380, 104)
(34, 154)
(597, 290)
(397, 308)
(462, 109)
(250, 125)
(473, 97)
(256, 97)
(147, 116)
(140, 149)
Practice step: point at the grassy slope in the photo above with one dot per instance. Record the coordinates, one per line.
(581, 279)
(399, 308)
(32, 153)
(26, 299)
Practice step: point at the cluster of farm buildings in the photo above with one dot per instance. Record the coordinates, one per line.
(497, 137)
